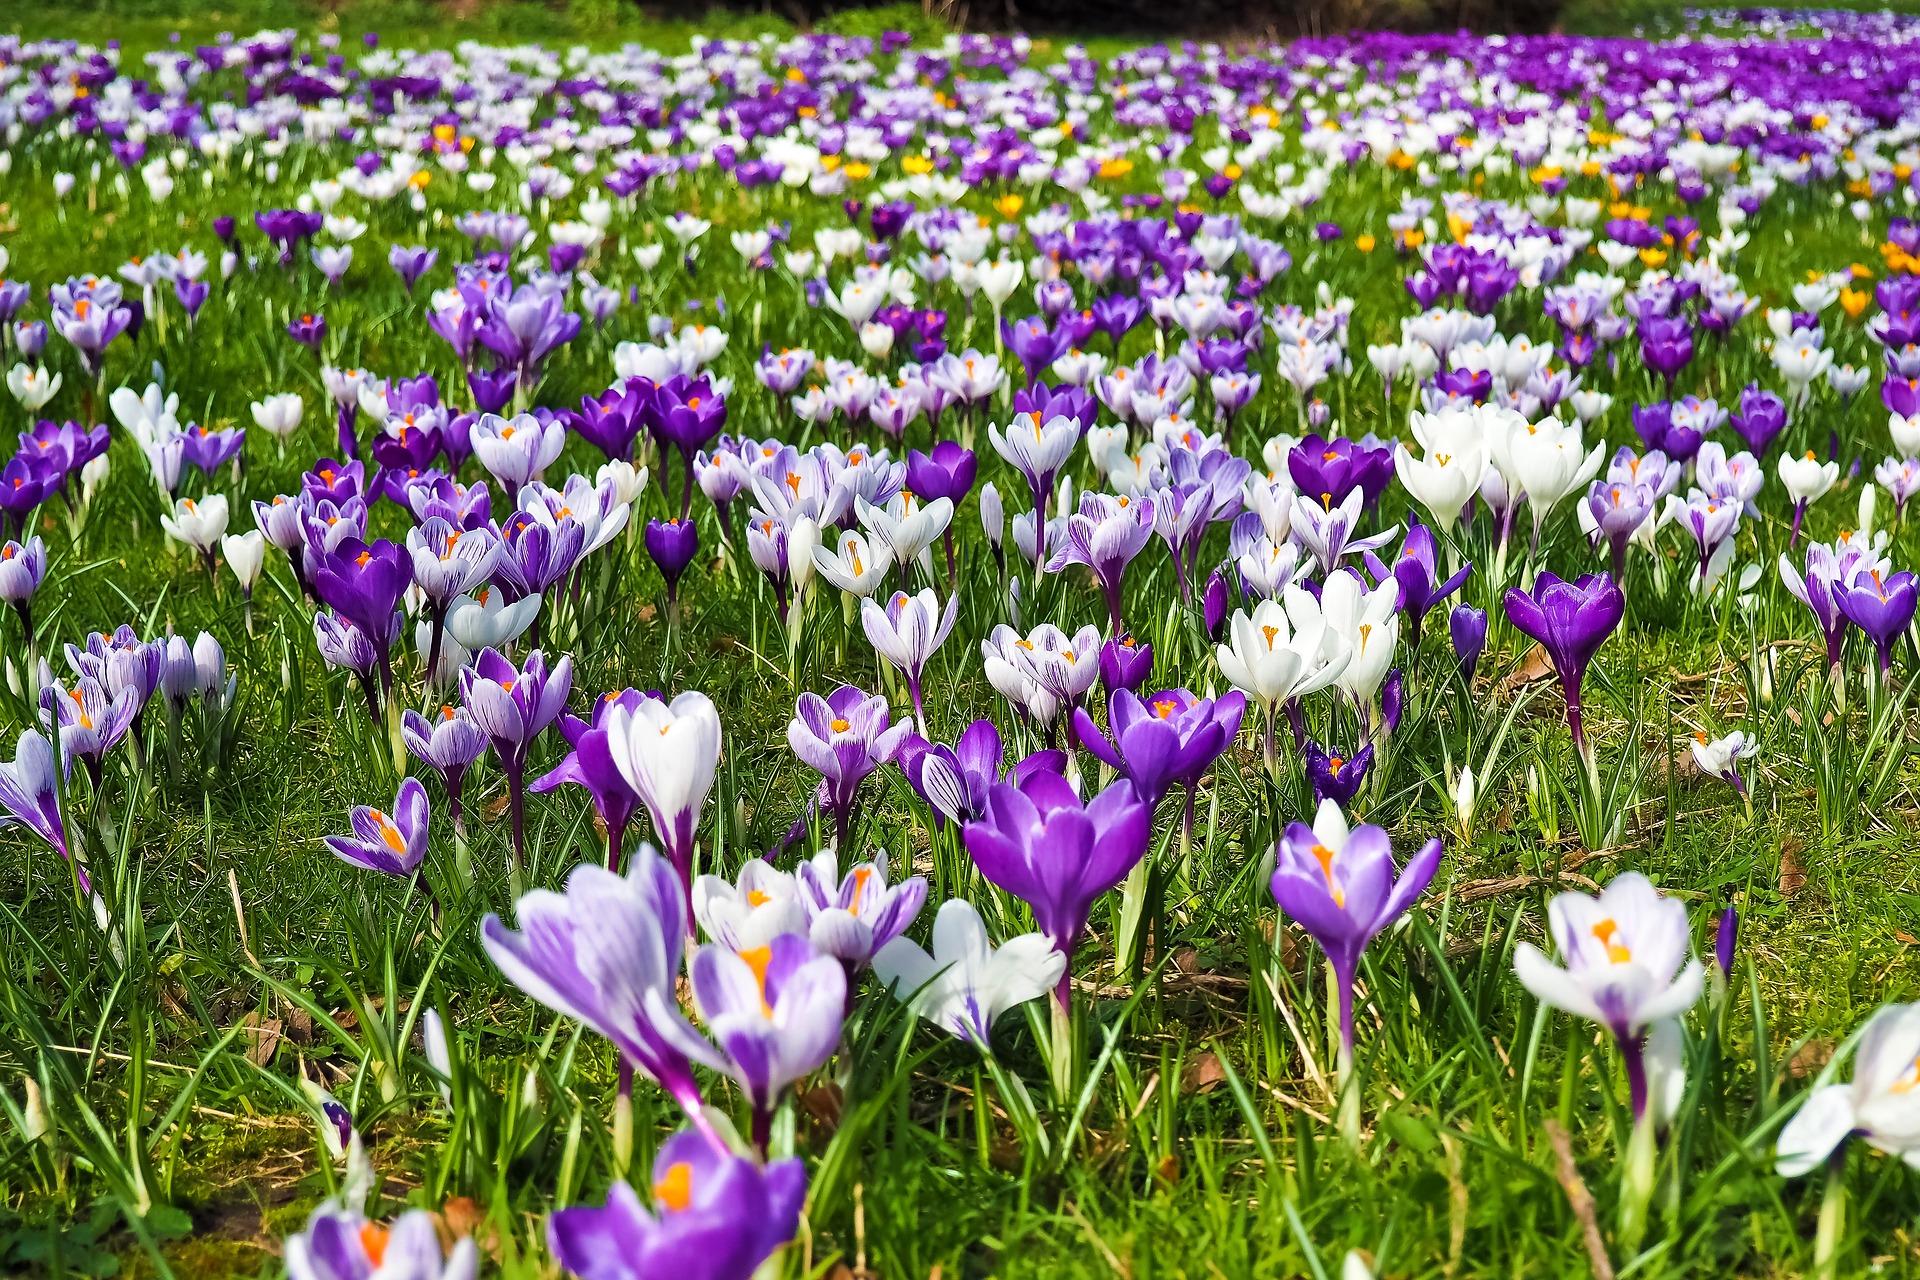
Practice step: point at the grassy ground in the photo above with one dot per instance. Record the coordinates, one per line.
(255, 958)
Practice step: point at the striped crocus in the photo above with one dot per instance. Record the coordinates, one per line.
(513, 706)
(394, 841)
(775, 1011)
(668, 753)
(907, 633)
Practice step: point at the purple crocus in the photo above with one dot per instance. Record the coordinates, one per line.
(1336, 778)
(954, 781)
(775, 1011)
(91, 720)
(411, 262)
(393, 843)
(844, 737)
(1880, 605)
(607, 951)
(1341, 886)
(1125, 663)
(1761, 418)
(364, 583)
(513, 706)
(22, 570)
(1571, 620)
(1467, 628)
(947, 472)
(309, 330)
(590, 765)
(672, 544)
(1038, 841)
(1418, 578)
(717, 1216)
(1158, 741)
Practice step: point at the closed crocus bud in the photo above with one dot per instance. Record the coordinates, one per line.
(209, 665)
(177, 672)
(1725, 939)
(1392, 700)
(1468, 627)
(993, 516)
(246, 553)
(673, 545)
(1125, 663)
(1214, 605)
(1465, 792)
(802, 538)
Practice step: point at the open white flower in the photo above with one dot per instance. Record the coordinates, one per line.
(858, 567)
(1882, 1104)
(1626, 953)
(965, 985)
(1278, 652)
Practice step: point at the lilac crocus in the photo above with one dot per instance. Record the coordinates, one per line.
(448, 743)
(513, 706)
(775, 1011)
(851, 916)
(607, 951)
(1038, 841)
(448, 562)
(22, 570)
(1341, 886)
(91, 720)
(1828, 568)
(844, 737)
(1157, 741)
(30, 794)
(411, 262)
(1761, 418)
(1105, 535)
(394, 842)
(1571, 620)
(907, 633)
(954, 781)
(1619, 509)
(716, 1216)
(590, 765)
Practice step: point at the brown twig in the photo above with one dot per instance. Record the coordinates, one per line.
(1580, 1199)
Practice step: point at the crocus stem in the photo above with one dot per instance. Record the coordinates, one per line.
(517, 813)
(762, 1128)
(1833, 1216)
(623, 1121)
(1060, 1046)
(438, 620)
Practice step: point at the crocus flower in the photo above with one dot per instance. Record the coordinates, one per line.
(394, 843)
(590, 765)
(775, 1011)
(1828, 569)
(364, 584)
(91, 720)
(1125, 663)
(716, 1216)
(1627, 965)
(1720, 757)
(1274, 662)
(339, 1244)
(516, 450)
(1336, 778)
(1327, 532)
(1037, 448)
(448, 744)
(1880, 1104)
(1340, 884)
(1105, 535)
(1160, 740)
(753, 909)
(672, 545)
(851, 917)
(1571, 620)
(513, 706)
(966, 984)
(22, 570)
(607, 951)
(844, 737)
(1880, 605)
(1040, 842)
(668, 752)
(1419, 581)
(907, 633)
(30, 794)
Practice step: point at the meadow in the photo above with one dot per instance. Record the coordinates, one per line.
(683, 650)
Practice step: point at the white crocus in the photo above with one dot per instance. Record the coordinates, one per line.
(1279, 652)
(763, 904)
(857, 567)
(1368, 627)
(965, 985)
(1626, 953)
(199, 524)
(1807, 479)
(32, 386)
(1881, 1104)
(279, 415)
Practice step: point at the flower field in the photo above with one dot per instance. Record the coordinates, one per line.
(899, 656)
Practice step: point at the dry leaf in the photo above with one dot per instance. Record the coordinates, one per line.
(647, 612)
(1813, 1055)
(1203, 1074)
(262, 1037)
(1792, 875)
(491, 810)
(1187, 960)
(1905, 939)
(1168, 1169)
(822, 1103)
(1536, 667)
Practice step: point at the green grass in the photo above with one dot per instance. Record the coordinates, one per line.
(1196, 1155)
